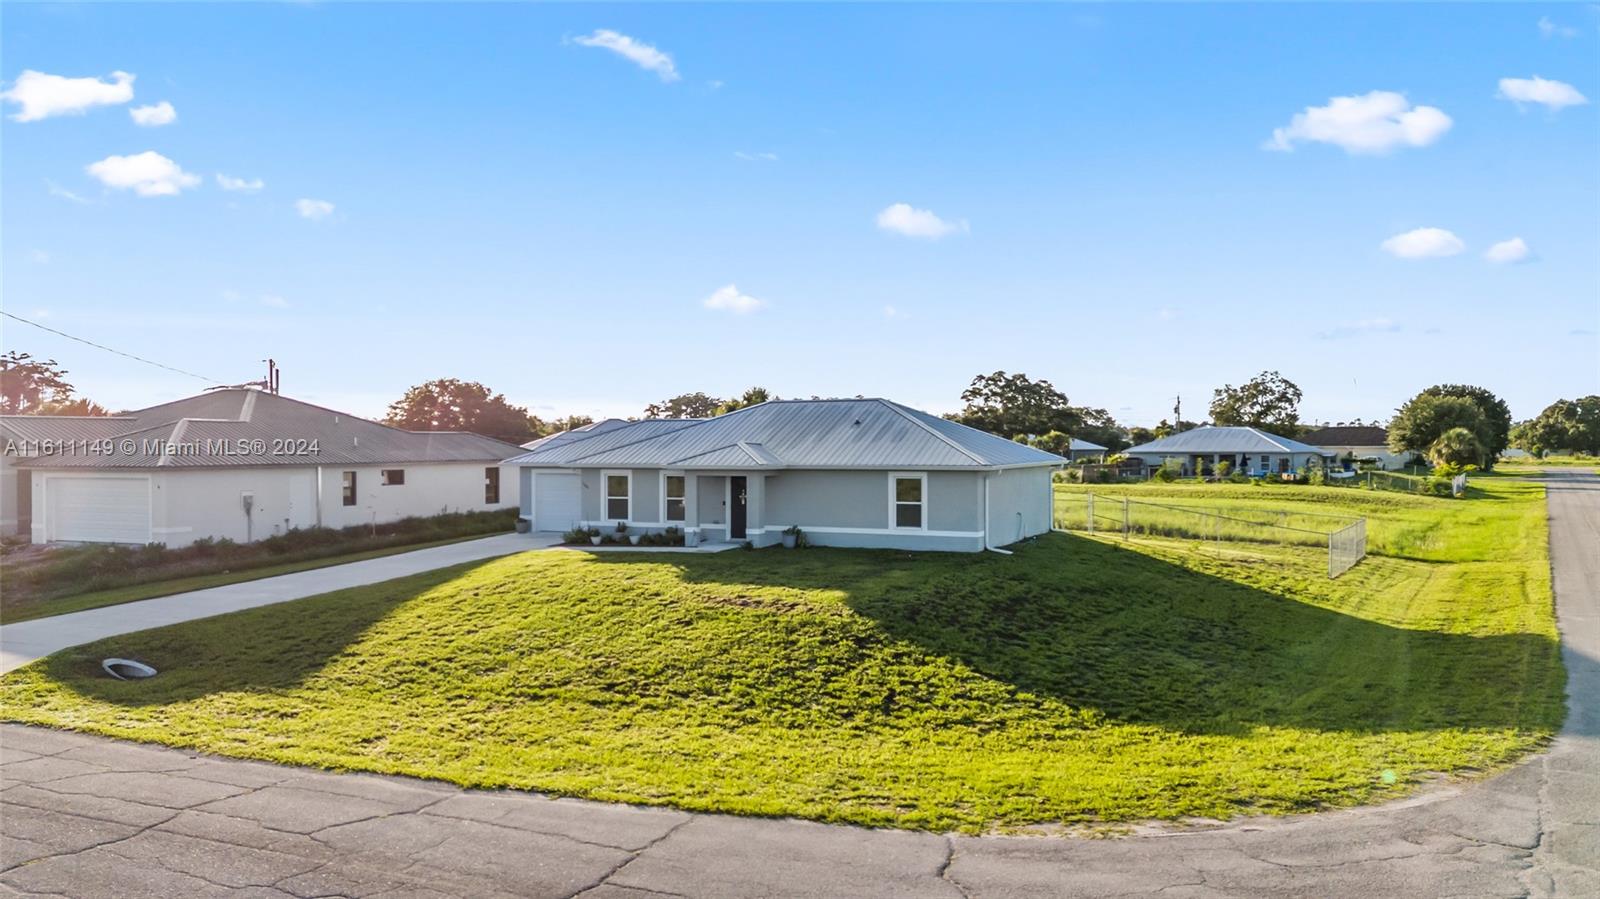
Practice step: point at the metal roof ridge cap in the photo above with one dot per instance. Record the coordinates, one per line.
(1272, 439)
(929, 428)
(177, 432)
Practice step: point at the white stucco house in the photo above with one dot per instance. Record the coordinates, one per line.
(1365, 443)
(849, 472)
(1249, 450)
(235, 463)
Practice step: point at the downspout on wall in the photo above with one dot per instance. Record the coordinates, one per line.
(994, 549)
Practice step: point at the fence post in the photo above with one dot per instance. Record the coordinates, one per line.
(1091, 514)
(1124, 519)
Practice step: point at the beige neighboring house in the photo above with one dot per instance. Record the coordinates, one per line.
(235, 463)
(1364, 442)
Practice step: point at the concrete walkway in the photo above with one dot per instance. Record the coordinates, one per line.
(87, 817)
(25, 641)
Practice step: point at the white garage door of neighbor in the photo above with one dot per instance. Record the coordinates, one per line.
(556, 502)
(99, 510)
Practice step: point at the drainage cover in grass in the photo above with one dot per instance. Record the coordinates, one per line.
(127, 669)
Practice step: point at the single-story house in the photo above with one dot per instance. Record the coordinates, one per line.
(1366, 443)
(235, 463)
(1083, 449)
(848, 472)
(1250, 450)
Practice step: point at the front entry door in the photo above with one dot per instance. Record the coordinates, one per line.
(736, 517)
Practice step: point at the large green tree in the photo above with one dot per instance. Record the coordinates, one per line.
(1268, 401)
(755, 396)
(29, 386)
(1495, 413)
(1563, 425)
(1010, 405)
(1099, 427)
(687, 405)
(1419, 424)
(449, 404)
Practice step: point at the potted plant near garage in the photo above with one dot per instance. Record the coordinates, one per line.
(791, 536)
(594, 536)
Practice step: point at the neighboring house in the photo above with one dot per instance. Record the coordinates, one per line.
(1083, 449)
(1250, 450)
(1363, 442)
(237, 463)
(857, 472)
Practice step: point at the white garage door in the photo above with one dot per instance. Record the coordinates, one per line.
(556, 502)
(99, 510)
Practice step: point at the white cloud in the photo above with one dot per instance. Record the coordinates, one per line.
(1549, 29)
(1376, 122)
(148, 174)
(42, 96)
(1553, 95)
(891, 312)
(57, 190)
(1424, 243)
(274, 301)
(1509, 251)
(154, 116)
(313, 209)
(40, 257)
(901, 218)
(755, 157)
(640, 53)
(1359, 328)
(729, 299)
(244, 185)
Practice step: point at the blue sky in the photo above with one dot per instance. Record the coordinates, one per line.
(1091, 196)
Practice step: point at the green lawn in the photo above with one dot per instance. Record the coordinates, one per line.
(1079, 680)
(133, 592)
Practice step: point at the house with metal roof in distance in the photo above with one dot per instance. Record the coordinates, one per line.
(1359, 443)
(1083, 449)
(1249, 450)
(848, 472)
(236, 463)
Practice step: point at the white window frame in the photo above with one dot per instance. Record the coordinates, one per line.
(605, 493)
(894, 503)
(671, 521)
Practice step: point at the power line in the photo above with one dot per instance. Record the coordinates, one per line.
(99, 346)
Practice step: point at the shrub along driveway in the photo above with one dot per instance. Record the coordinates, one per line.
(25, 641)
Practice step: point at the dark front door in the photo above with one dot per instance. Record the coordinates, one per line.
(736, 487)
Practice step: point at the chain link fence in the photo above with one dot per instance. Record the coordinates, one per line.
(1343, 537)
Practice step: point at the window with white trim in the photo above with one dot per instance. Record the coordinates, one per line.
(674, 488)
(618, 486)
(908, 501)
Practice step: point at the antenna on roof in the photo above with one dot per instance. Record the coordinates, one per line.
(273, 374)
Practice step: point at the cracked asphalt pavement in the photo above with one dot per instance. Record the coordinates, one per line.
(84, 816)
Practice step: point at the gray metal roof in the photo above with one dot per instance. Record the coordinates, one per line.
(579, 433)
(243, 427)
(594, 441)
(850, 433)
(1223, 440)
(39, 428)
(1084, 445)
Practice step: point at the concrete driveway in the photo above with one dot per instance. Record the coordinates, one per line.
(25, 641)
(87, 817)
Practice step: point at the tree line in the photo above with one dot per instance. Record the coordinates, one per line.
(1455, 423)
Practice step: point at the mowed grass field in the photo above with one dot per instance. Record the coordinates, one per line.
(1081, 680)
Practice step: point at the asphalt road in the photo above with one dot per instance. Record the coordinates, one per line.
(85, 817)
